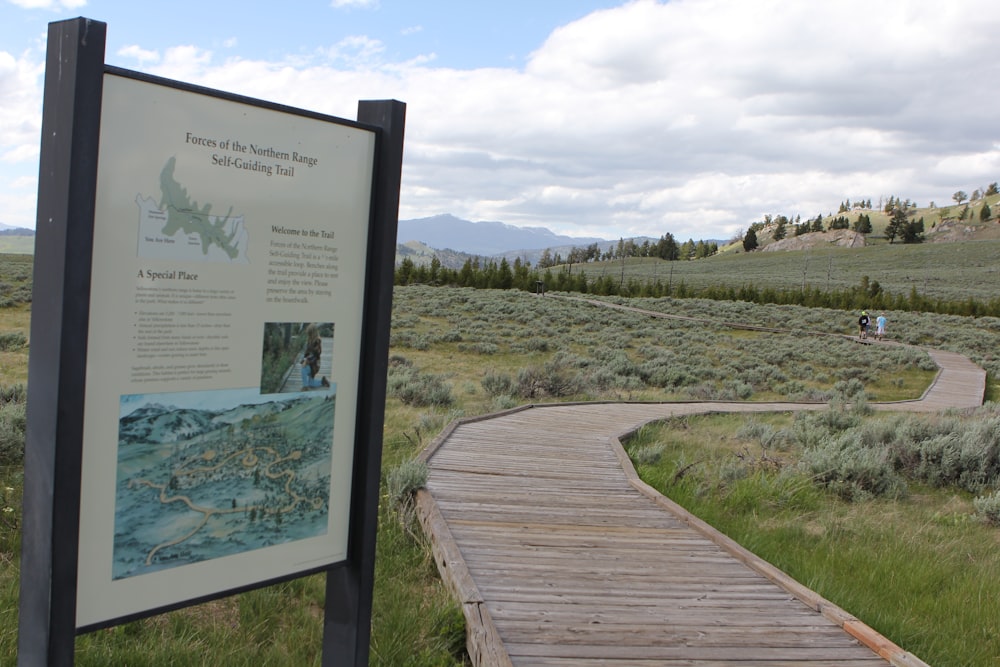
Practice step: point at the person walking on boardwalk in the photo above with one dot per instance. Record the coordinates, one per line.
(880, 326)
(310, 360)
(863, 322)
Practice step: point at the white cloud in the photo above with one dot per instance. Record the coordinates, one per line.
(20, 112)
(137, 53)
(17, 198)
(355, 51)
(690, 116)
(351, 4)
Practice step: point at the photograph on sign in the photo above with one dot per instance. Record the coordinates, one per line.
(295, 355)
(230, 243)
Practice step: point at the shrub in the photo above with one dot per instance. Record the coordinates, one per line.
(536, 345)
(756, 430)
(399, 360)
(401, 484)
(409, 339)
(648, 454)
(12, 423)
(988, 508)
(498, 384)
(837, 417)
(452, 336)
(418, 389)
(852, 471)
(740, 390)
(12, 340)
(14, 393)
(479, 348)
(848, 389)
(503, 403)
(551, 379)
(403, 481)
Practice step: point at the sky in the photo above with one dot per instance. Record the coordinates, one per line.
(592, 118)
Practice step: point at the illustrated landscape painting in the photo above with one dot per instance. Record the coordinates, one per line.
(202, 475)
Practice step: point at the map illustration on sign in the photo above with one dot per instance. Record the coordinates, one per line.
(208, 474)
(178, 228)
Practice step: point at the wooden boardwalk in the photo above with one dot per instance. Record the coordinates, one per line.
(560, 555)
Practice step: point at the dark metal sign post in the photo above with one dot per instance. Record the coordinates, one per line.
(58, 541)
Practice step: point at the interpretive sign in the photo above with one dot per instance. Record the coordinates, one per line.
(213, 219)
(218, 431)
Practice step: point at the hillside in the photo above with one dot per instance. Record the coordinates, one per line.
(421, 254)
(953, 271)
(942, 224)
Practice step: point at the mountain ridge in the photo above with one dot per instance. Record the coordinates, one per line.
(488, 238)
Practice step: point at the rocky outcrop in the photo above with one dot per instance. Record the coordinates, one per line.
(842, 238)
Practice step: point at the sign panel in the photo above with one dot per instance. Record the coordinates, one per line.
(227, 298)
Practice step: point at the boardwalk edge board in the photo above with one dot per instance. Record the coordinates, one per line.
(484, 643)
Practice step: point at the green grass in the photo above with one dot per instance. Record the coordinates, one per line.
(952, 271)
(414, 621)
(461, 336)
(920, 570)
(17, 245)
(15, 279)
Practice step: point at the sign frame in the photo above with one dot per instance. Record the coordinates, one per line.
(64, 254)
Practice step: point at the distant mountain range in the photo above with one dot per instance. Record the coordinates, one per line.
(453, 240)
(10, 230)
(488, 239)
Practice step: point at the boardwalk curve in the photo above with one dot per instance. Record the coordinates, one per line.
(560, 555)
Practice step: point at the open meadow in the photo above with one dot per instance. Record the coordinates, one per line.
(952, 271)
(461, 352)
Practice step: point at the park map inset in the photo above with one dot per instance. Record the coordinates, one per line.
(180, 229)
(196, 483)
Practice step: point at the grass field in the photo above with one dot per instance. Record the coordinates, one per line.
(913, 560)
(953, 271)
(19, 245)
(462, 352)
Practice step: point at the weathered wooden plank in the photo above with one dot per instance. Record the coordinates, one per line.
(811, 637)
(743, 654)
(560, 611)
(540, 661)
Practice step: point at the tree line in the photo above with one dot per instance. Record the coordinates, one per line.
(665, 248)
(490, 274)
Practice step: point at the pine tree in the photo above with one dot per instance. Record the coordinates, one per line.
(779, 231)
(895, 226)
(863, 225)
